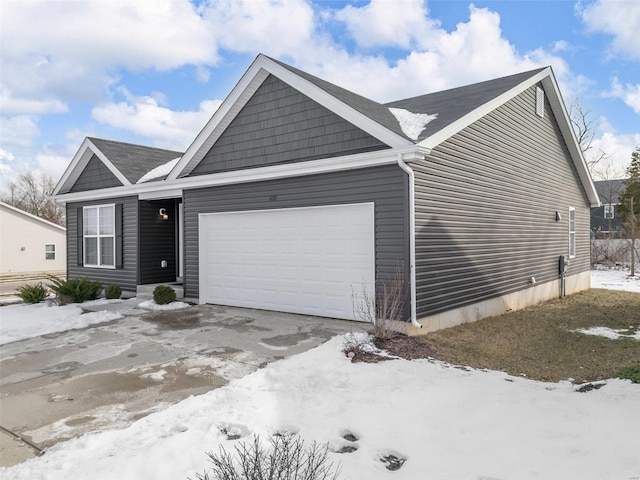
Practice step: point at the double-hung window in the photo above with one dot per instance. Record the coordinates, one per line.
(98, 236)
(50, 251)
(609, 210)
(572, 232)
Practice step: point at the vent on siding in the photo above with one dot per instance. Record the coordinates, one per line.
(540, 102)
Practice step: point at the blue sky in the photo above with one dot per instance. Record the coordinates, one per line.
(154, 71)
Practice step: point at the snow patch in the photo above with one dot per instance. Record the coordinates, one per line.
(151, 305)
(19, 322)
(412, 124)
(160, 171)
(612, 279)
(611, 333)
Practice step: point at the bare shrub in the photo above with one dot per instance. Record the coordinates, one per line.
(385, 307)
(611, 252)
(287, 459)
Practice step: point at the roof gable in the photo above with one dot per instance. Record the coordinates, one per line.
(281, 125)
(253, 78)
(95, 175)
(125, 161)
(134, 161)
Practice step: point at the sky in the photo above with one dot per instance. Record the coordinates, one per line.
(153, 72)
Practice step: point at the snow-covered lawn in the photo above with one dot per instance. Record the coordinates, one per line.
(448, 423)
(615, 280)
(22, 321)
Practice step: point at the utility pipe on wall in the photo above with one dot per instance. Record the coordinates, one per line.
(412, 238)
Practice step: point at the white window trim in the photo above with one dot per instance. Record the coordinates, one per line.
(99, 236)
(572, 233)
(612, 210)
(47, 252)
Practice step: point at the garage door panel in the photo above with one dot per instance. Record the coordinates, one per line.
(300, 260)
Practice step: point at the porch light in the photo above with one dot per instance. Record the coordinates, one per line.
(163, 214)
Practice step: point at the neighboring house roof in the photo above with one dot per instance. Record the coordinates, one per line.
(609, 190)
(442, 114)
(29, 216)
(127, 161)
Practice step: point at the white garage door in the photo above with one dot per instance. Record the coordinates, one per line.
(299, 260)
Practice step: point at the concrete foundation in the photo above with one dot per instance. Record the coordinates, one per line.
(500, 305)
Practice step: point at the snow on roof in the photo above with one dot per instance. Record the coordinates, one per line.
(160, 171)
(412, 124)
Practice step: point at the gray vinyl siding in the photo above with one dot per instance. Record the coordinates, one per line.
(157, 242)
(386, 186)
(281, 125)
(485, 209)
(95, 175)
(126, 277)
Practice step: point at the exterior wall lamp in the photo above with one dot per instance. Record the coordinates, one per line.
(163, 214)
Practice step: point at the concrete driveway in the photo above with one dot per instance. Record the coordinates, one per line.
(59, 386)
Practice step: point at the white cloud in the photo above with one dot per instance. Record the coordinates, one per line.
(69, 49)
(274, 27)
(383, 23)
(618, 18)
(628, 93)
(475, 51)
(52, 164)
(18, 131)
(144, 116)
(618, 149)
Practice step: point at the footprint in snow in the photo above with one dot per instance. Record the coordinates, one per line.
(393, 460)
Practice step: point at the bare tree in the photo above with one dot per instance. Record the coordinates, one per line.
(585, 126)
(31, 192)
(630, 204)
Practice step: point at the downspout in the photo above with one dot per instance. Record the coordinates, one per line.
(412, 238)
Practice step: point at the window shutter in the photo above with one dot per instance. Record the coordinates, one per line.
(80, 253)
(118, 232)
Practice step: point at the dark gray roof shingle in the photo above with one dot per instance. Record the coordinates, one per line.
(609, 190)
(134, 161)
(449, 105)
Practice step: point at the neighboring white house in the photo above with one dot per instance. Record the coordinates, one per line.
(29, 244)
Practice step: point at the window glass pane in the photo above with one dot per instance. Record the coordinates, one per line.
(50, 252)
(106, 251)
(91, 251)
(572, 244)
(106, 220)
(90, 221)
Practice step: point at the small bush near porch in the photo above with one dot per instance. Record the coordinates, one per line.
(543, 342)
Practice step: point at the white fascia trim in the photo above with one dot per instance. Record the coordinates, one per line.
(161, 194)
(255, 75)
(168, 188)
(235, 101)
(327, 100)
(570, 139)
(80, 161)
(463, 122)
(75, 167)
